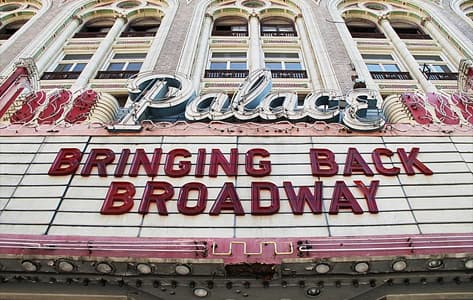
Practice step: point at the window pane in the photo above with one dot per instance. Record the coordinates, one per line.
(428, 57)
(218, 66)
(374, 67)
(129, 55)
(293, 66)
(229, 55)
(391, 68)
(281, 55)
(237, 66)
(77, 56)
(286, 28)
(63, 68)
(116, 67)
(377, 56)
(134, 66)
(79, 67)
(274, 65)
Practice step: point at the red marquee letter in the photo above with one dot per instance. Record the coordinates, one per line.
(141, 159)
(264, 165)
(184, 197)
(229, 167)
(160, 199)
(99, 158)
(66, 162)
(322, 162)
(370, 194)
(410, 161)
(118, 192)
(356, 163)
(256, 208)
(343, 198)
(378, 163)
(227, 199)
(184, 167)
(297, 202)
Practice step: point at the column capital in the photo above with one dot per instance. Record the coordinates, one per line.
(121, 16)
(209, 16)
(425, 20)
(254, 15)
(76, 17)
(384, 17)
(297, 17)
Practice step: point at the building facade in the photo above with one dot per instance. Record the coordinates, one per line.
(272, 149)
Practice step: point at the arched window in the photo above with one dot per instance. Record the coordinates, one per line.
(95, 28)
(230, 26)
(9, 29)
(407, 30)
(277, 27)
(142, 27)
(360, 28)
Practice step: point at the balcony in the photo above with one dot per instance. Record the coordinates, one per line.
(278, 33)
(60, 75)
(441, 76)
(229, 33)
(226, 73)
(288, 74)
(414, 36)
(391, 75)
(115, 74)
(82, 35)
(138, 34)
(368, 35)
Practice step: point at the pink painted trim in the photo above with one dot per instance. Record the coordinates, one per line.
(232, 129)
(236, 250)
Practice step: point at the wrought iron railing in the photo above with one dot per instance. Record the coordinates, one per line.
(226, 73)
(137, 34)
(441, 76)
(81, 35)
(278, 33)
(289, 74)
(229, 33)
(391, 75)
(60, 75)
(414, 36)
(368, 35)
(115, 74)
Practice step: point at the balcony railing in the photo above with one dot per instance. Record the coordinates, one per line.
(60, 75)
(5, 36)
(226, 73)
(441, 76)
(278, 33)
(414, 36)
(391, 75)
(229, 33)
(81, 35)
(137, 34)
(289, 74)
(368, 35)
(115, 74)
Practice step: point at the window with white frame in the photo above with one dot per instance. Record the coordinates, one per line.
(285, 65)
(434, 67)
(69, 67)
(227, 65)
(383, 66)
(122, 66)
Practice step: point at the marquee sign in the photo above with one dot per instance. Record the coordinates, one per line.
(178, 163)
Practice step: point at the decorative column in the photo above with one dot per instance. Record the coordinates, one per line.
(404, 53)
(51, 50)
(255, 59)
(433, 31)
(100, 54)
(201, 59)
(308, 54)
